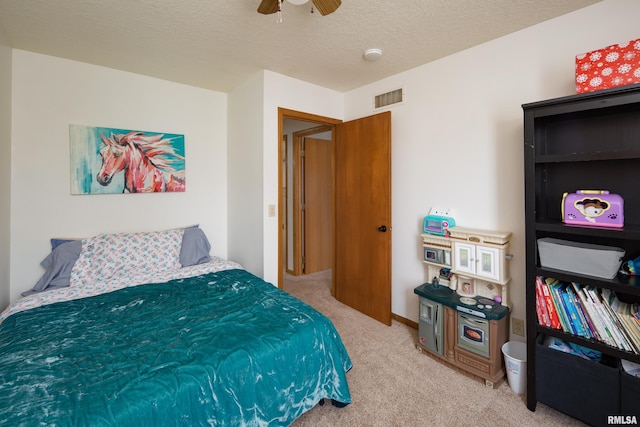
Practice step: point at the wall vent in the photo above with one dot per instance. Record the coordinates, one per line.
(388, 98)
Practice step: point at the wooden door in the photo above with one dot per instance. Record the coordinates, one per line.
(362, 251)
(317, 205)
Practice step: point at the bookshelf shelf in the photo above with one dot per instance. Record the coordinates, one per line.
(621, 283)
(596, 345)
(588, 157)
(580, 142)
(629, 232)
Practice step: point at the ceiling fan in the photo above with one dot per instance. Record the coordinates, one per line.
(325, 7)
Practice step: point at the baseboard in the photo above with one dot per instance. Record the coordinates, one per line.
(404, 320)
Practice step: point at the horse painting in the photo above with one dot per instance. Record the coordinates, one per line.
(147, 161)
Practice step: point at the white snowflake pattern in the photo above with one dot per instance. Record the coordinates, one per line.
(636, 45)
(581, 78)
(617, 81)
(636, 73)
(586, 66)
(595, 56)
(612, 56)
(628, 56)
(624, 68)
(607, 71)
(595, 82)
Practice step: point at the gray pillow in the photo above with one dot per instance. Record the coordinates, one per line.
(195, 247)
(58, 265)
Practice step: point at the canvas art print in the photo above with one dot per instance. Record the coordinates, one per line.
(109, 160)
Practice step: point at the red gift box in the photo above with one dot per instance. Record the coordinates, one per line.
(615, 65)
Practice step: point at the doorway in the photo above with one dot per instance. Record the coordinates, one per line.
(303, 124)
(307, 196)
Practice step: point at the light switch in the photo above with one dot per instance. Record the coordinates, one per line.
(272, 210)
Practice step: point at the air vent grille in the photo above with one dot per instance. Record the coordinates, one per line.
(389, 98)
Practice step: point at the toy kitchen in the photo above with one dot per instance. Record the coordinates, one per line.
(463, 309)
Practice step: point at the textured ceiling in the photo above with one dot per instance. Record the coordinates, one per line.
(218, 44)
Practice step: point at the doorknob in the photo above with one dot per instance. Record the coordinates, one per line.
(382, 228)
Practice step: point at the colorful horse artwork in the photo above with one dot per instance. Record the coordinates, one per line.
(148, 162)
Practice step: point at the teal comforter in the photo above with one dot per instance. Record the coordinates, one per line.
(222, 349)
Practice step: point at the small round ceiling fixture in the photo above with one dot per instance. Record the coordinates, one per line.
(372, 54)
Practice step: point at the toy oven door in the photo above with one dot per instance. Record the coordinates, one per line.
(473, 334)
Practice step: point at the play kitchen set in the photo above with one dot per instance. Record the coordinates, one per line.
(463, 312)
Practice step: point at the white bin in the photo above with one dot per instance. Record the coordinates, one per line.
(582, 258)
(515, 360)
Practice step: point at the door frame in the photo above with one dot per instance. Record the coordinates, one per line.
(321, 121)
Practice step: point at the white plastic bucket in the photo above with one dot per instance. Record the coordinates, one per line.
(515, 360)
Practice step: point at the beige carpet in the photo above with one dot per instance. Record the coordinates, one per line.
(392, 384)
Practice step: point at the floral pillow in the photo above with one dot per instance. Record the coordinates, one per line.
(116, 256)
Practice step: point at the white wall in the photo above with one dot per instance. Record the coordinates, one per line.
(458, 139)
(5, 167)
(49, 94)
(245, 175)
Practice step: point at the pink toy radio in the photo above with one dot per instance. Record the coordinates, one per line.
(596, 208)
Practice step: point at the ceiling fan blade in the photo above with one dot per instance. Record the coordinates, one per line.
(326, 7)
(267, 7)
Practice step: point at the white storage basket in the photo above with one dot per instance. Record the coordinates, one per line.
(582, 258)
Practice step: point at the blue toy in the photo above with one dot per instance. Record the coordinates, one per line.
(633, 265)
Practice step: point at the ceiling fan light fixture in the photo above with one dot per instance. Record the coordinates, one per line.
(324, 7)
(372, 54)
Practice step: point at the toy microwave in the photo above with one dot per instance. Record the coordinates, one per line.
(436, 224)
(596, 208)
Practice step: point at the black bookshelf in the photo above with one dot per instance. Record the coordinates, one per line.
(592, 142)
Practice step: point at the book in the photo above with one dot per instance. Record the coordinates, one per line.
(593, 296)
(543, 317)
(614, 304)
(572, 313)
(622, 311)
(635, 312)
(633, 319)
(616, 327)
(551, 310)
(613, 322)
(633, 330)
(554, 290)
(582, 317)
(541, 305)
(592, 317)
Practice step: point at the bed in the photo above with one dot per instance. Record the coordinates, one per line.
(139, 334)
